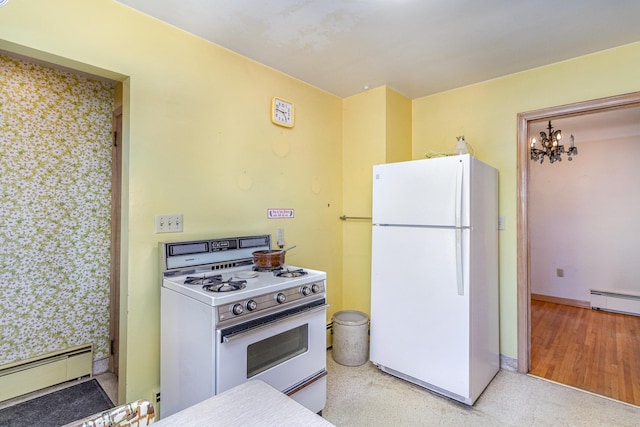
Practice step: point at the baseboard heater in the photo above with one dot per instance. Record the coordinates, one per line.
(26, 376)
(626, 303)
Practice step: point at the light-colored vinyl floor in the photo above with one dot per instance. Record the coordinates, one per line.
(365, 396)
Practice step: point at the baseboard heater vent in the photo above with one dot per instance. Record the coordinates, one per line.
(39, 372)
(617, 302)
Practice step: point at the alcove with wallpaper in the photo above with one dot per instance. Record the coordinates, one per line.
(56, 134)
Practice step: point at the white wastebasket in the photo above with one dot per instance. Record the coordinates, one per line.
(350, 338)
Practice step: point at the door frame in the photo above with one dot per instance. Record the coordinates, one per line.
(114, 282)
(523, 248)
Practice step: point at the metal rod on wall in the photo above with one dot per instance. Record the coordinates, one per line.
(344, 217)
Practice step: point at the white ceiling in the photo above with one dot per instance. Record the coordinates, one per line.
(417, 47)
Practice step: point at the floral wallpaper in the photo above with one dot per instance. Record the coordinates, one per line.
(55, 207)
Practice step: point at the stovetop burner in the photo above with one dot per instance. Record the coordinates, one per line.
(227, 286)
(267, 269)
(216, 283)
(290, 273)
(280, 271)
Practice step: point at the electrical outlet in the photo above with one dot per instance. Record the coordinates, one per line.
(559, 272)
(280, 237)
(169, 223)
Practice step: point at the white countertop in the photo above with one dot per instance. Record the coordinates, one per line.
(253, 403)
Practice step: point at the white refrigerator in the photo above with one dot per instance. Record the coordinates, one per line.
(434, 274)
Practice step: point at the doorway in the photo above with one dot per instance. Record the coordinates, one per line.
(524, 209)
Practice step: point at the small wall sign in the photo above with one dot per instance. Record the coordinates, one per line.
(279, 213)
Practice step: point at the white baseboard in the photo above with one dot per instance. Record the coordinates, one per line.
(559, 300)
(508, 363)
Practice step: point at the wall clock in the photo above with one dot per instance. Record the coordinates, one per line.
(282, 112)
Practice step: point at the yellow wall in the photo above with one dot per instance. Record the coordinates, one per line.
(377, 129)
(398, 130)
(364, 145)
(485, 114)
(198, 141)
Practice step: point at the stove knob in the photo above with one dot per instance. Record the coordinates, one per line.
(281, 298)
(237, 309)
(251, 305)
(305, 290)
(315, 288)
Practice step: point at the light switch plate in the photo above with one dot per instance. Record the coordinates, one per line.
(171, 223)
(501, 220)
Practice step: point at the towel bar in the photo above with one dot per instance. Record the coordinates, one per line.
(344, 217)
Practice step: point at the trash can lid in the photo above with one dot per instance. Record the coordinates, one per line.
(351, 318)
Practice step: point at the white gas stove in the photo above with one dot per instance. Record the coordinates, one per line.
(242, 293)
(223, 322)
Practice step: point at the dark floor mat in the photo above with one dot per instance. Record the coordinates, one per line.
(58, 408)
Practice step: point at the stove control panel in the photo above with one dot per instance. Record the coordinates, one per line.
(266, 302)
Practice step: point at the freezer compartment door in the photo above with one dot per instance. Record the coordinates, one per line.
(422, 192)
(419, 321)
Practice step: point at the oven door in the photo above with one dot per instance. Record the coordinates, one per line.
(287, 350)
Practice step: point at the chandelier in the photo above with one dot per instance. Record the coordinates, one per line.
(551, 146)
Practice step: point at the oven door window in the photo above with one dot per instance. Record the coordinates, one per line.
(277, 349)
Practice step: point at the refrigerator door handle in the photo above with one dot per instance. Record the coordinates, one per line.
(460, 279)
(458, 202)
(458, 223)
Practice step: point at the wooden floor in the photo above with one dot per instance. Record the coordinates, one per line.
(591, 350)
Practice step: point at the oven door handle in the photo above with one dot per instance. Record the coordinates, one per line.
(306, 383)
(231, 337)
